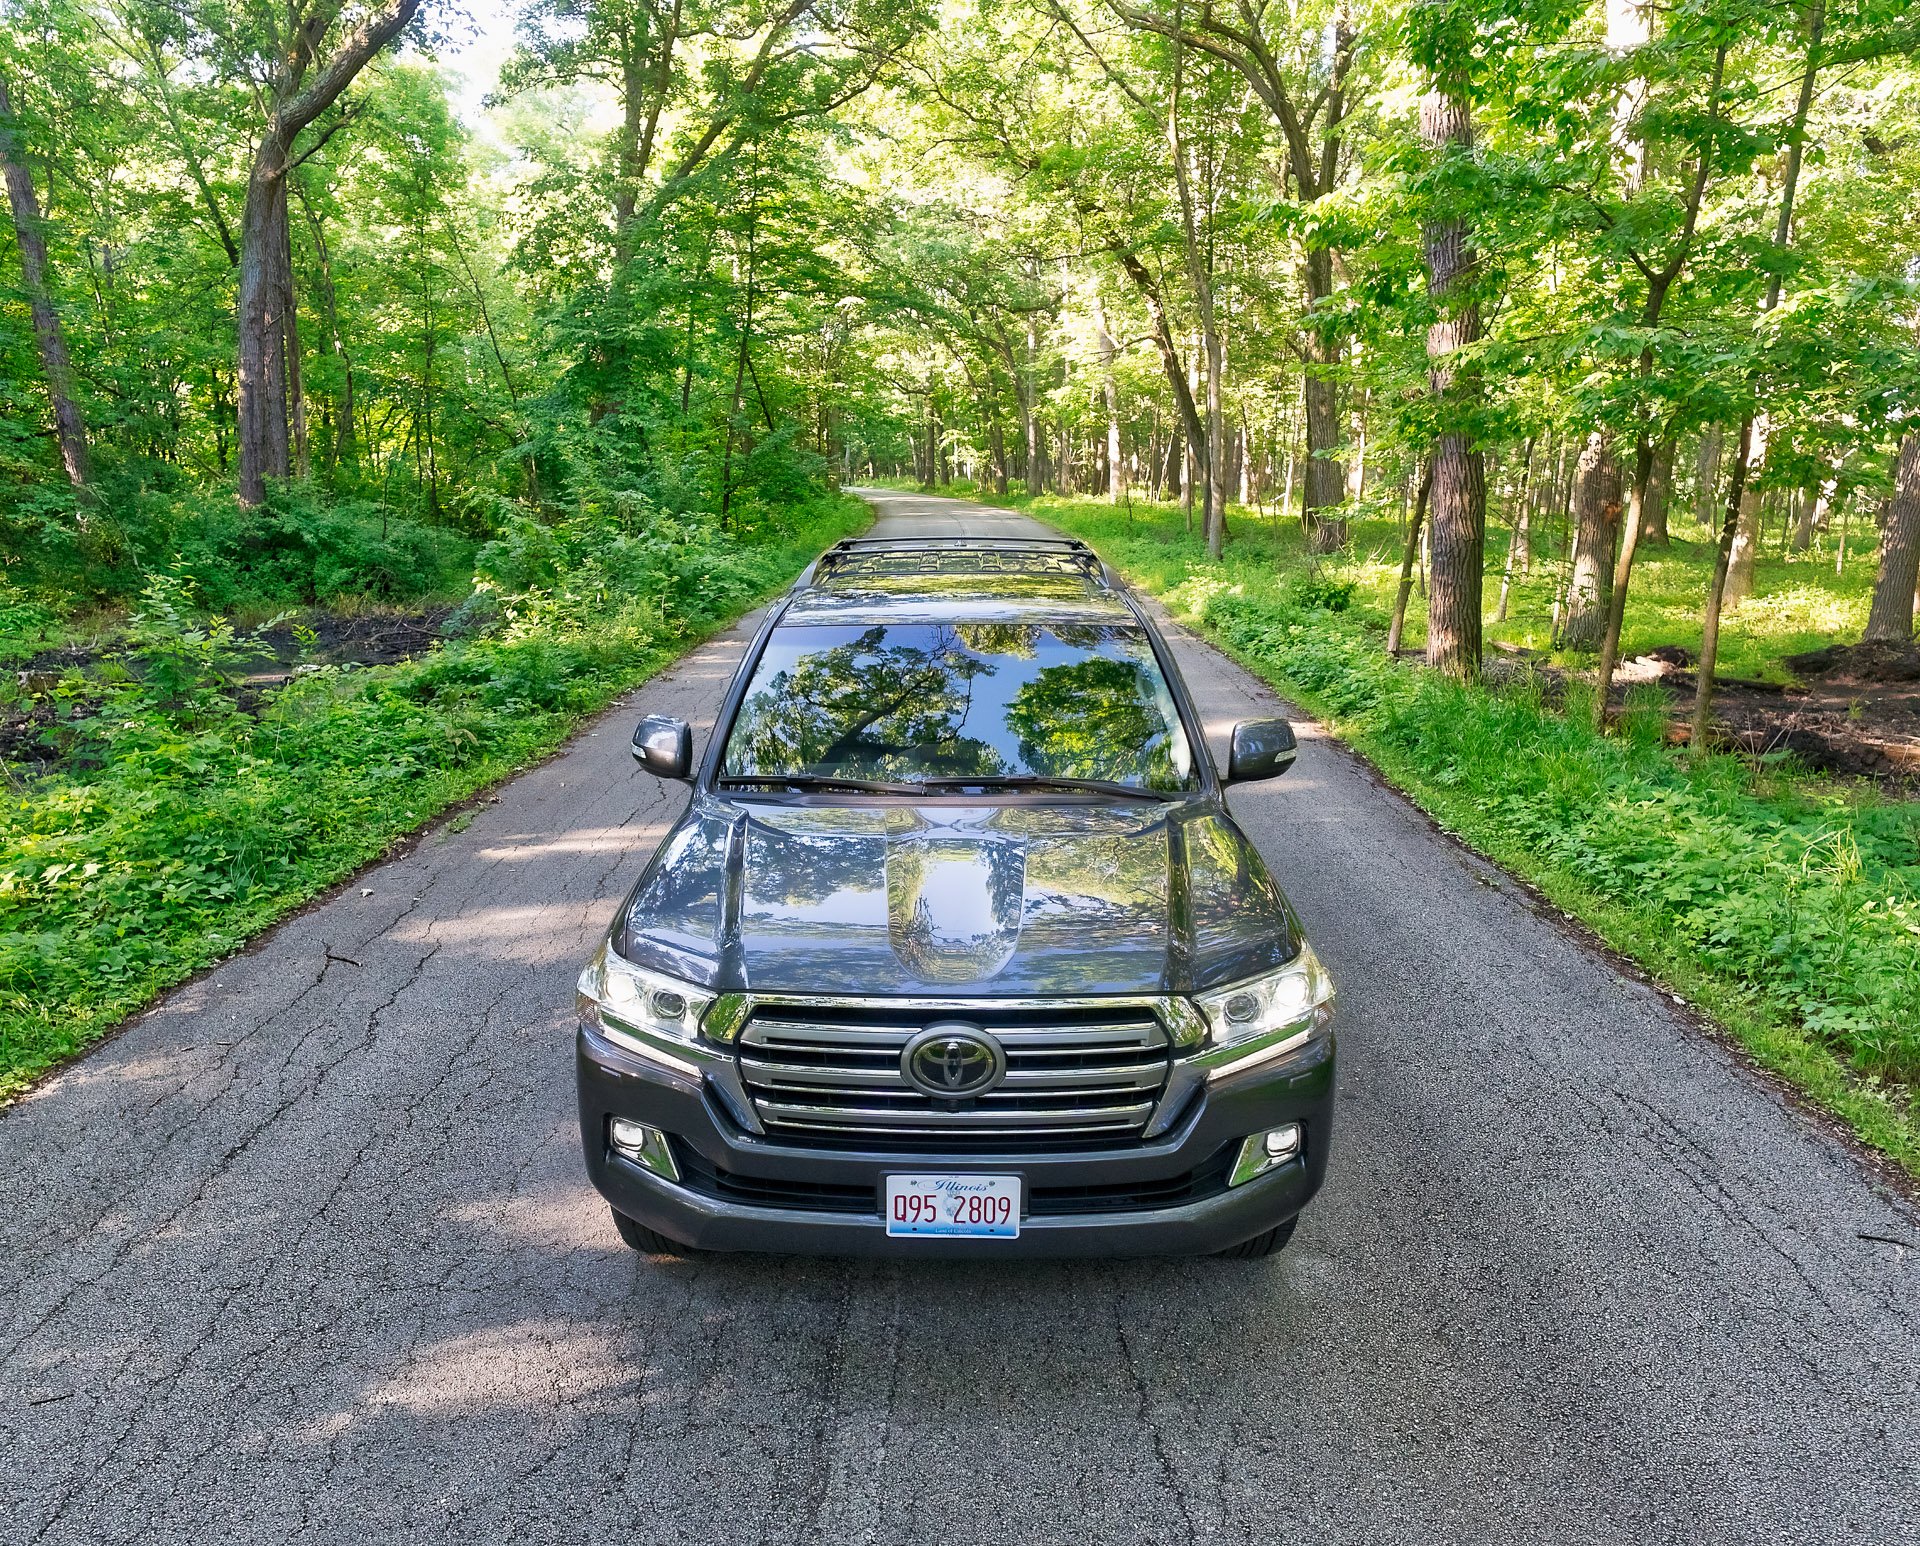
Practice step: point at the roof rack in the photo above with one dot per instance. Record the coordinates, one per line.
(999, 555)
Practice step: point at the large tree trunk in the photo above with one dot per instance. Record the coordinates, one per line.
(266, 289)
(266, 284)
(69, 425)
(1891, 617)
(1596, 510)
(1458, 502)
(1326, 478)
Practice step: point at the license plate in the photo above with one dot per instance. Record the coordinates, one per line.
(986, 1206)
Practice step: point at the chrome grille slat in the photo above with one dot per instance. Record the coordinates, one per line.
(829, 1073)
(884, 1116)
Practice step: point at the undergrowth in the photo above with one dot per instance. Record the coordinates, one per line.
(184, 816)
(1786, 903)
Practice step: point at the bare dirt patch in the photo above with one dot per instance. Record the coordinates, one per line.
(43, 692)
(1852, 709)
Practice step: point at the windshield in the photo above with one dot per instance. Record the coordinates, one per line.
(960, 702)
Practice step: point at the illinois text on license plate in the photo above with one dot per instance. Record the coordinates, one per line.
(953, 1205)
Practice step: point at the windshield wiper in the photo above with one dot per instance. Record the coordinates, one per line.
(1067, 785)
(808, 782)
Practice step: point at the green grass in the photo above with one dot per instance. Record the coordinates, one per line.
(1798, 602)
(180, 826)
(1784, 904)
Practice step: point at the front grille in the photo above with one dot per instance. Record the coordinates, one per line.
(1075, 1078)
(1208, 1179)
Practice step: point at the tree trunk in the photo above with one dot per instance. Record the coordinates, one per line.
(1716, 591)
(69, 425)
(1821, 518)
(1891, 617)
(265, 288)
(1216, 473)
(1733, 573)
(340, 445)
(1116, 468)
(1659, 496)
(1596, 509)
(296, 391)
(1746, 536)
(1458, 502)
(1414, 527)
(1326, 478)
(1520, 534)
(266, 285)
(1706, 474)
(1183, 400)
(1806, 503)
(1208, 460)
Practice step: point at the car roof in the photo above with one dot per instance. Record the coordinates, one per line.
(958, 579)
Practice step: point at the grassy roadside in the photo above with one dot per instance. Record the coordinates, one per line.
(183, 821)
(1783, 904)
(1799, 601)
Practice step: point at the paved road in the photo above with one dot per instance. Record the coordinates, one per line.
(307, 1255)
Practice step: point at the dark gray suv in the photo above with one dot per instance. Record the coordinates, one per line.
(956, 949)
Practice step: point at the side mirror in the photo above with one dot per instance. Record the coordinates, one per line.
(1262, 748)
(664, 746)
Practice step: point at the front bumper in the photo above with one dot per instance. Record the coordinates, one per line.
(1161, 1197)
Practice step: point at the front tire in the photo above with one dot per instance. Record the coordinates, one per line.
(648, 1242)
(1269, 1242)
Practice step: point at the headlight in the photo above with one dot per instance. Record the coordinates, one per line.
(625, 995)
(1299, 996)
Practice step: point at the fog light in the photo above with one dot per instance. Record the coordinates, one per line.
(642, 1145)
(1264, 1151)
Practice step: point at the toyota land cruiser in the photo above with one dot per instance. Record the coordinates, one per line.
(956, 948)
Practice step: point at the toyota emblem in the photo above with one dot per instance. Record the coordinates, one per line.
(953, 1061)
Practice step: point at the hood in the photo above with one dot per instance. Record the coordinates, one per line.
(957, 901)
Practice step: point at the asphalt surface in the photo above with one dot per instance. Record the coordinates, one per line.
(307, 1253)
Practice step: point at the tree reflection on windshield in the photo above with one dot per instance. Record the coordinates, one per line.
(960, 701)
(1090, 720)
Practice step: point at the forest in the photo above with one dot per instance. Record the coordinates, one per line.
(1530, 388)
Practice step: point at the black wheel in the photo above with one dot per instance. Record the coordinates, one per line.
(649, 1242)
(1268, 1242)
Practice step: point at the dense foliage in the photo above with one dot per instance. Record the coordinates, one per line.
(185, 818)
